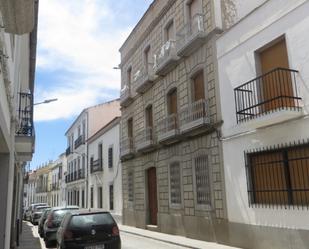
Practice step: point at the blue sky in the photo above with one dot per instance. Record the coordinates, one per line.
(78, 42)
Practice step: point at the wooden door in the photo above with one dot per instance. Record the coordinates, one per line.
(172, 102)
(152, 196)
(276, 86)
(198, 87)
(130, 128)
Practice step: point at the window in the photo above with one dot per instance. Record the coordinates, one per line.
(129, 76)
(198, 88)
(147, 57)
(100, 199)
(110, 157)
(100, 154)
(172, 101)
(170, 31)
(149, 116)
(202, 181)
(111, 197)
(279, 177)
(175, 183)
(130, 186)
(193, 8)
(83, 198)
(91, 197)
(130, 127)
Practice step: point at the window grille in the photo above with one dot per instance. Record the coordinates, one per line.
(111, 197)
(110, 157)
(202, 180)
(91, 197)
(175, 183)
(279, 176)
(130, 186)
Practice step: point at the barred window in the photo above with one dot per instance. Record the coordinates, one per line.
(279, 177)
(175, 183)
(130, 186)
(202, 182)
(110, 157)
(111, 197)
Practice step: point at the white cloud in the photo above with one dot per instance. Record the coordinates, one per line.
(76, 37)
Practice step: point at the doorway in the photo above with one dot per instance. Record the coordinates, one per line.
(152, 195)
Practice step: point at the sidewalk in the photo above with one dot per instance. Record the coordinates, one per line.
(29, 238)
(173, 239)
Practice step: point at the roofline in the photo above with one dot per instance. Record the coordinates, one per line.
(104, 129)
(138, 23)
(85, 110)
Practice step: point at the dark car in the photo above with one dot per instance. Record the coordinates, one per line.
(85, 229)
(42, 221)
(53, 222)
(36, 214)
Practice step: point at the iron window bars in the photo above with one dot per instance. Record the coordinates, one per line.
(279, 176)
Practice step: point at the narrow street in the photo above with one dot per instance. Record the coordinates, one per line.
(31, 240)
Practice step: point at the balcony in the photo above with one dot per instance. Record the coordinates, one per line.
(68, 151)
(96, 166)
(168, 129)
(145, 78)
(24, 135)
(41, 189)
(191, 36)
(75, 176)
(125, 96)
(268, 99)
(79, 141)
(127, 148)
(145, 141)
(194, 117)
(55, 186)
(166, 59)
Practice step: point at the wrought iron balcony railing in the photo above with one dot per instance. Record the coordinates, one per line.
(273, 91)
(145, 139)
(125, 96)
(168, 127)
(166, 59)
(25, 115)
(194, 115)
(145, 78)
(126, 147)
(79, 141)
(96, 166)
(68, 151)
(191, 36)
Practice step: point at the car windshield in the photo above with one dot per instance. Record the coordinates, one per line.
(46, 212)
(41, 209)
(86, 220)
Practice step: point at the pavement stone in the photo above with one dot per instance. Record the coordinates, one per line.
(173, 239)
(29, 238)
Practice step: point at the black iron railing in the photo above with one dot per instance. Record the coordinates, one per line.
(279, 176)
(25, 115)
(79, 141)
(96, 166)
(269, 92)
(68, 151)
(75, 175)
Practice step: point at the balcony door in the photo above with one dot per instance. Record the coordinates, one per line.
(276, 86)
(149, 121)
(198, 87)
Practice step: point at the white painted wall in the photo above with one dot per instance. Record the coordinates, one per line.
(236, 65)
(109, 175)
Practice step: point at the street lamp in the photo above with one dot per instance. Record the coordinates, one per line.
(45, 101)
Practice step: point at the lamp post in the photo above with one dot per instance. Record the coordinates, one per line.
(45, 101)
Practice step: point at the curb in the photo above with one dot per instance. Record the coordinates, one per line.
(161, 240)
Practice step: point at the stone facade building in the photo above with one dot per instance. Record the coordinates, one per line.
(173, 179)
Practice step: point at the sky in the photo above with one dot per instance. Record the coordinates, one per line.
(78, 43)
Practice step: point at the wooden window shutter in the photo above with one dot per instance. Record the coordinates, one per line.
(173, 102)
(149, 117)
(130, 128)
(198, 87)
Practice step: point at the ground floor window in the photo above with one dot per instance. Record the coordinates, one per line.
(100, 199)
(111, 197)
(175, 183)
(202, 181)
(130, 186)
(83, 198)
(91, 197)
(279, 176)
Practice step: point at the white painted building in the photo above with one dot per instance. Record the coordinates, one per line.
(105, 183)
(263, 66)
(17, 67)
(56, 182)
(30, 189)
(85, 125)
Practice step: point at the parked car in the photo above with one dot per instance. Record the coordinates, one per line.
(52, 223)
(42, 221)
(36, 214)
(30, 209)
(88, 229)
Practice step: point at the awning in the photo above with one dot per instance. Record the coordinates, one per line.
(18, 16)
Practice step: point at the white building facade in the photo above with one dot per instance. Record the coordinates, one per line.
(263, 63)
(56, 183)
(17, 66)
(86, 124)
(105, 183)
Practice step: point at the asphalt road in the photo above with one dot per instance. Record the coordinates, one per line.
(130, 241)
